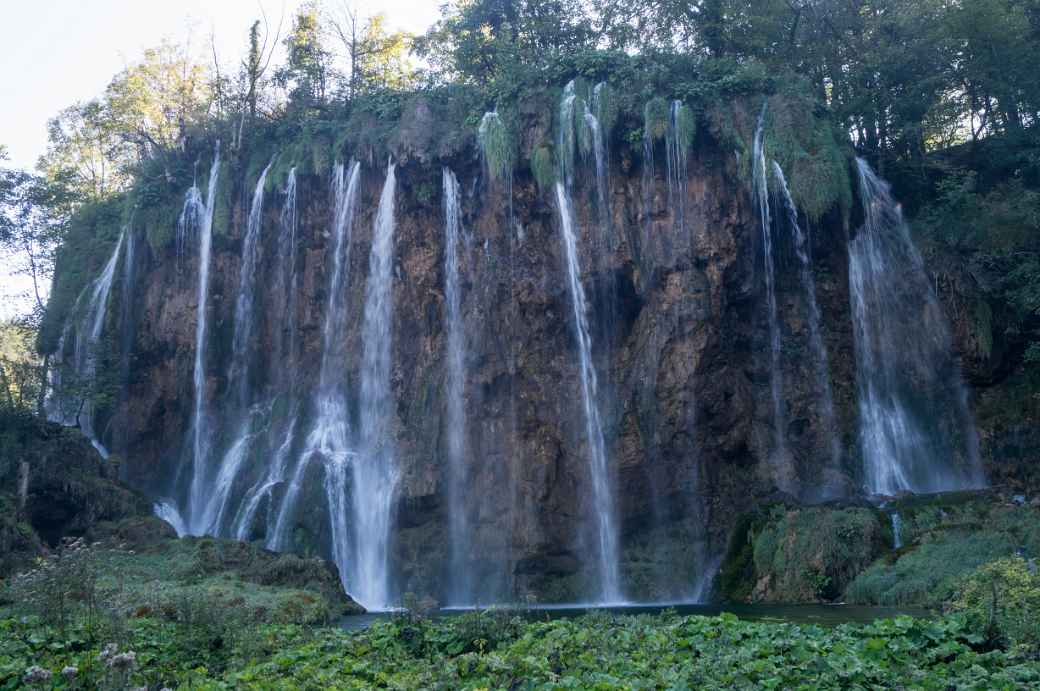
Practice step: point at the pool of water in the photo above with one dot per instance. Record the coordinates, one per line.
(823, 615)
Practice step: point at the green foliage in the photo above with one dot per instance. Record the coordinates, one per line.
(655, 118)
(945, 542)
(496, 145)
(605, 107)
(89, 240)
(814, 157)
(543, 166)
(1003, 599)
(490, 650)
(685, 127)
(811, 554)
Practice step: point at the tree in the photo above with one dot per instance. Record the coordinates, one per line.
(306, 72)
(375, 57)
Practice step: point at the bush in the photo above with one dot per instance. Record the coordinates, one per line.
(1002, 599)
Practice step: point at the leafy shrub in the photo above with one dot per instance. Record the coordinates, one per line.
(1002, 598)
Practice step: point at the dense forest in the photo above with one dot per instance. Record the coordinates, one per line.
(561, 304)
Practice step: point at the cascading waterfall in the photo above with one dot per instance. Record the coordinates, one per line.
(916, 429)
(460, 589)
(678, 167)
(216, 506)
(816, 344)
(604, 521)
(126, 332)
(167, 511)
(285, 288)
(85, 330)
(199, 215)
(897, 530)
(602, 495)
(761, 192)
(329, 437)
(374, 471)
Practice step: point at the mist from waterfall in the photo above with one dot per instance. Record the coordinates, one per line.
(374, 471)
(72, 384)
(760, 186)
(460, 588)
(917, 433)
(197, 215)
(329, 436)
(821, 361)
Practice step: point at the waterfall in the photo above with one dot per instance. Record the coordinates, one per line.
(127, 328)
(678, 167)
(212, 518)
(374, 473)
(330, 432)
(199, 215)
(816, 344)
(167, 511)
(897, 530)
(916, 429)
(460, 588)
(284, 354)
(761, 192)
(72, 403)
(602, 496)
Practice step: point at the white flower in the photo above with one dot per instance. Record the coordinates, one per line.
(69, 672)
(123, 660)
(36, 675)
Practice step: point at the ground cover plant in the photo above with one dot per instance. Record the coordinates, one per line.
(499, 650)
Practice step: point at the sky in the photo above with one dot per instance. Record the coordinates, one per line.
(56, 52)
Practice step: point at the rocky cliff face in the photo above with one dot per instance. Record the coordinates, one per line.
(679, 339)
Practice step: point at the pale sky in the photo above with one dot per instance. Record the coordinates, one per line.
(56, 52)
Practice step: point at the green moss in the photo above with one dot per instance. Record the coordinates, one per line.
(496, 144)
(815, 157)
(811, 554)
(89, 240)
(605, 107)
(946, 537)
(543, 167)
(655, 118)
(685, 128)
(736, 579)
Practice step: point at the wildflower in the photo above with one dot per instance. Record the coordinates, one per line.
(69, 673)
(123, 661)
(36, 675)
(107, 652)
